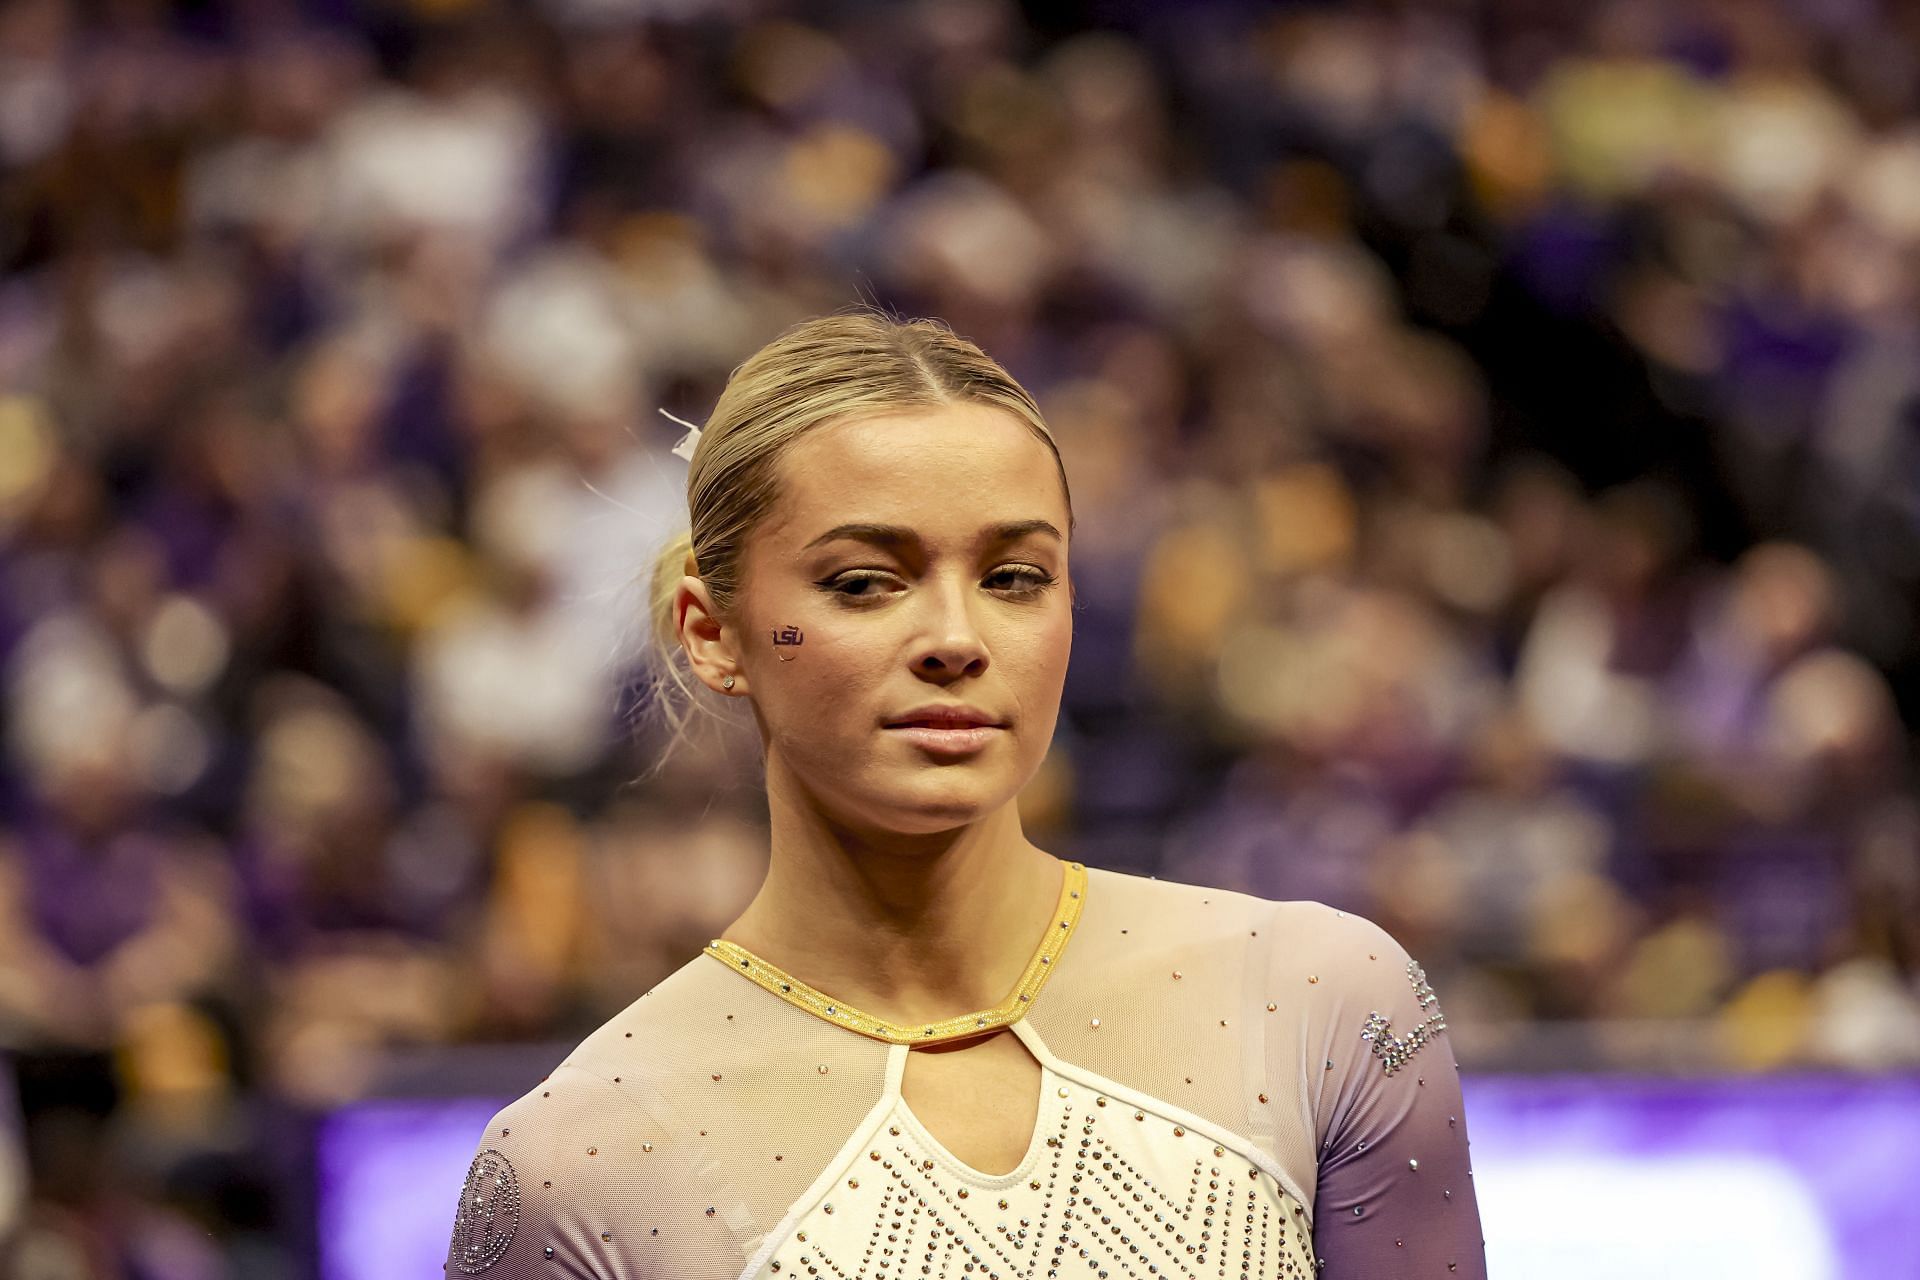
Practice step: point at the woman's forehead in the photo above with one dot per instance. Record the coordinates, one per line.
(953, 468)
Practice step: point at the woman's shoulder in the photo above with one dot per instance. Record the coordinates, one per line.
(607, 1070)
(600, 1106)
(629, 1046)
(1172, 904)
(1294, 925)
(1341, 954)
(1324, 951)
(556, 1172)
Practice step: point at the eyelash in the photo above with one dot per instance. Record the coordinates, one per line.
(1040, 579)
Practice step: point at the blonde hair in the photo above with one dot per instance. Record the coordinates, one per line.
(833, 368)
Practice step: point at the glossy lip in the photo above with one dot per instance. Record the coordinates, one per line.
(945, 717)
(953, 743)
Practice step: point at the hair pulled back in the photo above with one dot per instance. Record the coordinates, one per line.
(833, 368)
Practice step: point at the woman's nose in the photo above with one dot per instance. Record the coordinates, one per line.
(954, 645)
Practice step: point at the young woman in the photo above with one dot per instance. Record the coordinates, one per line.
(928, 1048)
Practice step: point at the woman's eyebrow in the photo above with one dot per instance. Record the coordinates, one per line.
(894, 535)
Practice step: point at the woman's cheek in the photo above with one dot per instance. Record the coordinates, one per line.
(830, 669)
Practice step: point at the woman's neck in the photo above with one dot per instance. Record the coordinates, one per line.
(909, 929)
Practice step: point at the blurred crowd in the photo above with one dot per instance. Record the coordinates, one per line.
(1494, 430)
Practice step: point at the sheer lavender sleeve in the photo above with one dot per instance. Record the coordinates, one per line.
(575, 1180)
(510, 1222)
(1394, 1194)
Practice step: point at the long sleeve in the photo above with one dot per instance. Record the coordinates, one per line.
(1395, 1195)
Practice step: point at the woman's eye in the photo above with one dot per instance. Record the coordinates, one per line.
(1021, 580)
(857, 585)
(1014, 580)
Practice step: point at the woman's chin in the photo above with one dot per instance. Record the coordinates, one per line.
(883, 797)
(927, 805)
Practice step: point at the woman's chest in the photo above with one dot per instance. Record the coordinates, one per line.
(1036, 1172)
(979, 1099)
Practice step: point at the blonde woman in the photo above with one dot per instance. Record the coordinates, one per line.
(928, 1048)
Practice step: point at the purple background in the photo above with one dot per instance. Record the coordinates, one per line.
(389, 1172)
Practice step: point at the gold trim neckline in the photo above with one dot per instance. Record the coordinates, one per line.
(1066, 917)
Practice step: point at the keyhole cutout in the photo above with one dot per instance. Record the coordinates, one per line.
(980, 1098)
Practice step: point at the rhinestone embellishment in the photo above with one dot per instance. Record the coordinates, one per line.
(1112, 1200)
(489, 1213)
(1395, 1051)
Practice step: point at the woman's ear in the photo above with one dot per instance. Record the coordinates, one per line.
(710, 647)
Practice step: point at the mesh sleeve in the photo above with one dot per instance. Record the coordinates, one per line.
(1394, 1193)
(576, 1181)
(508, 1223)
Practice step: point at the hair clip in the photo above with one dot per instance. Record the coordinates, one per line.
(689, 442)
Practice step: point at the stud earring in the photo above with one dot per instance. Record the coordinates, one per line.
(727, 683)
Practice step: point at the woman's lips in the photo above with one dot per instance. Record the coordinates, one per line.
(950, 740)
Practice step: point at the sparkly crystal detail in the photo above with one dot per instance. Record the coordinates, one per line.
(1395, 1051)
(488, 1214)
(1102, 1197)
